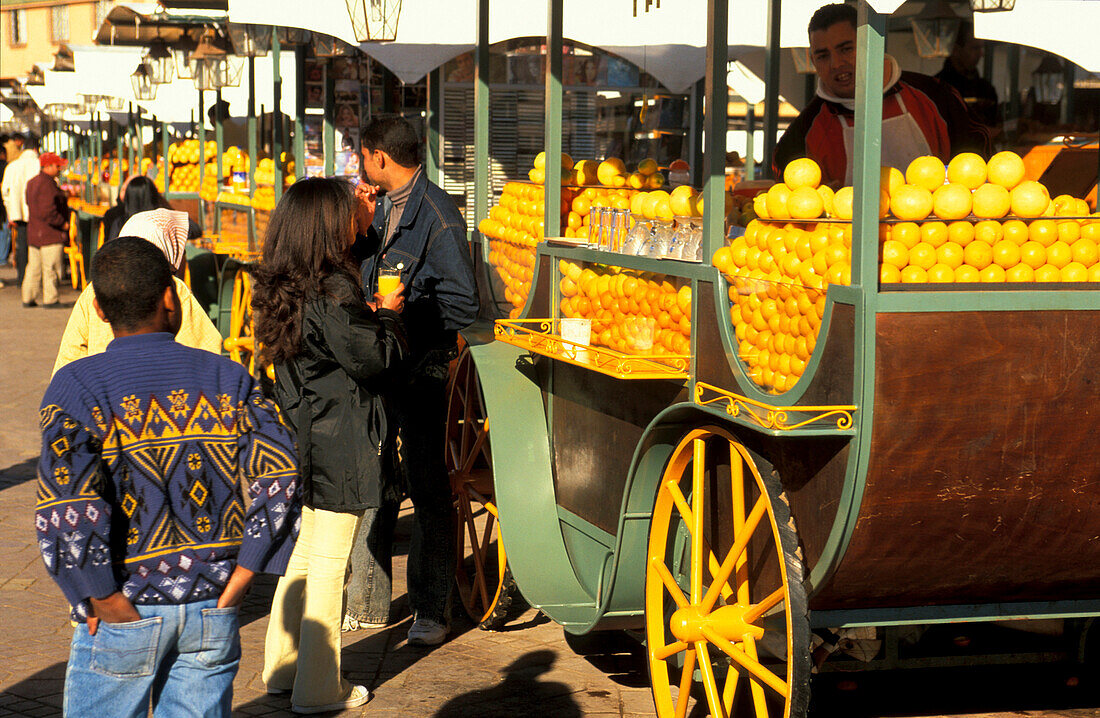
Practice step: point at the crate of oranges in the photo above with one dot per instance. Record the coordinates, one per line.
(184, 160)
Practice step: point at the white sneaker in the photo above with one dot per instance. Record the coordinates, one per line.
(426, 632)
(351, 623)
(359, 696)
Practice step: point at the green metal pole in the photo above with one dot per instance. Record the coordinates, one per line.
(251, 148)
(871, 44)
(218, 140)
(1013, 87)
(771, 87)
(750, 140)
(300, 111)
(551, 140)
(129, 142)
(140, 138)
(481, 116)
(697, 120)
(717, 101)
(277, 115)
(164, 153)
(329, 126)
(431, 153)
(202, 159)
(1070, 75)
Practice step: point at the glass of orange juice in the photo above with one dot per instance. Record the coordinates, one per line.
(388, 279)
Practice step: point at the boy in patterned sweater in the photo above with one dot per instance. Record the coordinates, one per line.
(140, 515)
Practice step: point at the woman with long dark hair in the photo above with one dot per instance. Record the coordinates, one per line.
(141, 195)
(331, 350)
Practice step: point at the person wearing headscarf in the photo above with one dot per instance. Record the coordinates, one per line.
(87, 334)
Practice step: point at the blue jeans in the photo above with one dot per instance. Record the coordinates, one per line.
(5, 242)
(179, 659)
(421, 412)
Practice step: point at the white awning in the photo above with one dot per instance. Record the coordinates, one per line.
(1069, 28)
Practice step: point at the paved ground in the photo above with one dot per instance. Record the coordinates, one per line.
(528, 670)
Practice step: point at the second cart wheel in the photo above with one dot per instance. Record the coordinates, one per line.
(481, 567)
(725, 608)
(240, 343)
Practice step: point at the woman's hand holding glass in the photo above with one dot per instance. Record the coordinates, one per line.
(395, 300)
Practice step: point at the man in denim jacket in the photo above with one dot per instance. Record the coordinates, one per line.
(418, 230)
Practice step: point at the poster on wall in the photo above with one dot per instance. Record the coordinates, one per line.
(314, 146)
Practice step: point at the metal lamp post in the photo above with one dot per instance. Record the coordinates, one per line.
(142, 82)
(374, 20)
(159, 62)
(935, 33)
(249, 40)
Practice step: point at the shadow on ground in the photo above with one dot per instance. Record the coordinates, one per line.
(19, 473)
(37, 695)
(520, 689)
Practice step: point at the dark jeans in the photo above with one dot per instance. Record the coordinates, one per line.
(420, 407)
(19, 238)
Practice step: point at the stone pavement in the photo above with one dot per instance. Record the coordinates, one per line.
(530, 669)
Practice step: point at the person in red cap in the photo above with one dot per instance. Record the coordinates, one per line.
(47, 232)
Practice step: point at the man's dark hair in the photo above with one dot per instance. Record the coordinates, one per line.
(395, 137)
(965, 35)
(19, 137)
(828, 15)
(129, 276)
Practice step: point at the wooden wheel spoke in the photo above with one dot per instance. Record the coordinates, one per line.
(749, 663)
(475, 450)
(687, 676)
(710, 686)
(735, 552)
(669, 582)
(671, 649)
(773, 599)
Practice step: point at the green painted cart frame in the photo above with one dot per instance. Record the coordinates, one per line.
(936, 462)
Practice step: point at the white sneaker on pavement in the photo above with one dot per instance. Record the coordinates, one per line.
(426, 632)
(359, 696)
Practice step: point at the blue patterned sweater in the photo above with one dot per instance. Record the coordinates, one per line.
(145, 450)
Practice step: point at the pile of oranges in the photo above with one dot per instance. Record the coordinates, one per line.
(631, 312)
(183, 164)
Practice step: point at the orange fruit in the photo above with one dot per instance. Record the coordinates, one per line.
(934, 233)
(908, 233)
(802, 172)
(891, 178)
(1020, 273)
(804, 202)
(966, 273)
(927, 172)
(1043, 231)
(776, 201)
(994, 273)
(1085, 251)
(1069, 231)
(722, 259)
(1033, 254)
(842, 203)
(895, 253)
(941, 274)
(950, 254)
(1006, 253)
(1094, 273)
(889, 274)
(1029, 199)
(923, 255)
(1015, 231)
(991, 201)
(951, 201)
(914, 275)
(978, 254)
(961, 233)
(1075, 272)
(1059, 254)
(1005, 169)
(910, 202)
(1048, 273)
(967, 169)
(1091, 230)
(988, 231)
(826, 193)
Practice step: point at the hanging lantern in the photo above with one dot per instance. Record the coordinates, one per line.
(212, 64)
(374, 20)
(803, 63)
(936, 30)
(159, 62)
(249, 40)
(992, 5)
(90, 102)
(329, 46)
(293, 36)
(142, 81)
(181, 51)
(113, 104)
(1049, 80)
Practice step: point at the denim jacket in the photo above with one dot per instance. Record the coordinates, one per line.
(437, 270)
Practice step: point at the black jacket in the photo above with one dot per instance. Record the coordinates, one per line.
(431, 245)
(330, 395)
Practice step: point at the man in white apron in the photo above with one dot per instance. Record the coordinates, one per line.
(920, 115)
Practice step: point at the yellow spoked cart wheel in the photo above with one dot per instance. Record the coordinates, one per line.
(239, 343)
(725, 608)
(481, 567)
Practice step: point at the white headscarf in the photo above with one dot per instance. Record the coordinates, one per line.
(165, 228)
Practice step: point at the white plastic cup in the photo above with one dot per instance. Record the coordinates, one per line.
(577, 331)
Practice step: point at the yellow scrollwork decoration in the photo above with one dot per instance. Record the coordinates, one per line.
(774, 417)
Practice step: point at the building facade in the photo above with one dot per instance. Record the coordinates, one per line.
(32, 30)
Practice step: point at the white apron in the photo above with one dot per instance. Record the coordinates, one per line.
(902, 141)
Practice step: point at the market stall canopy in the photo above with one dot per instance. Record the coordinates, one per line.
(1069, 28)
(141, 23)
(667, 42)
